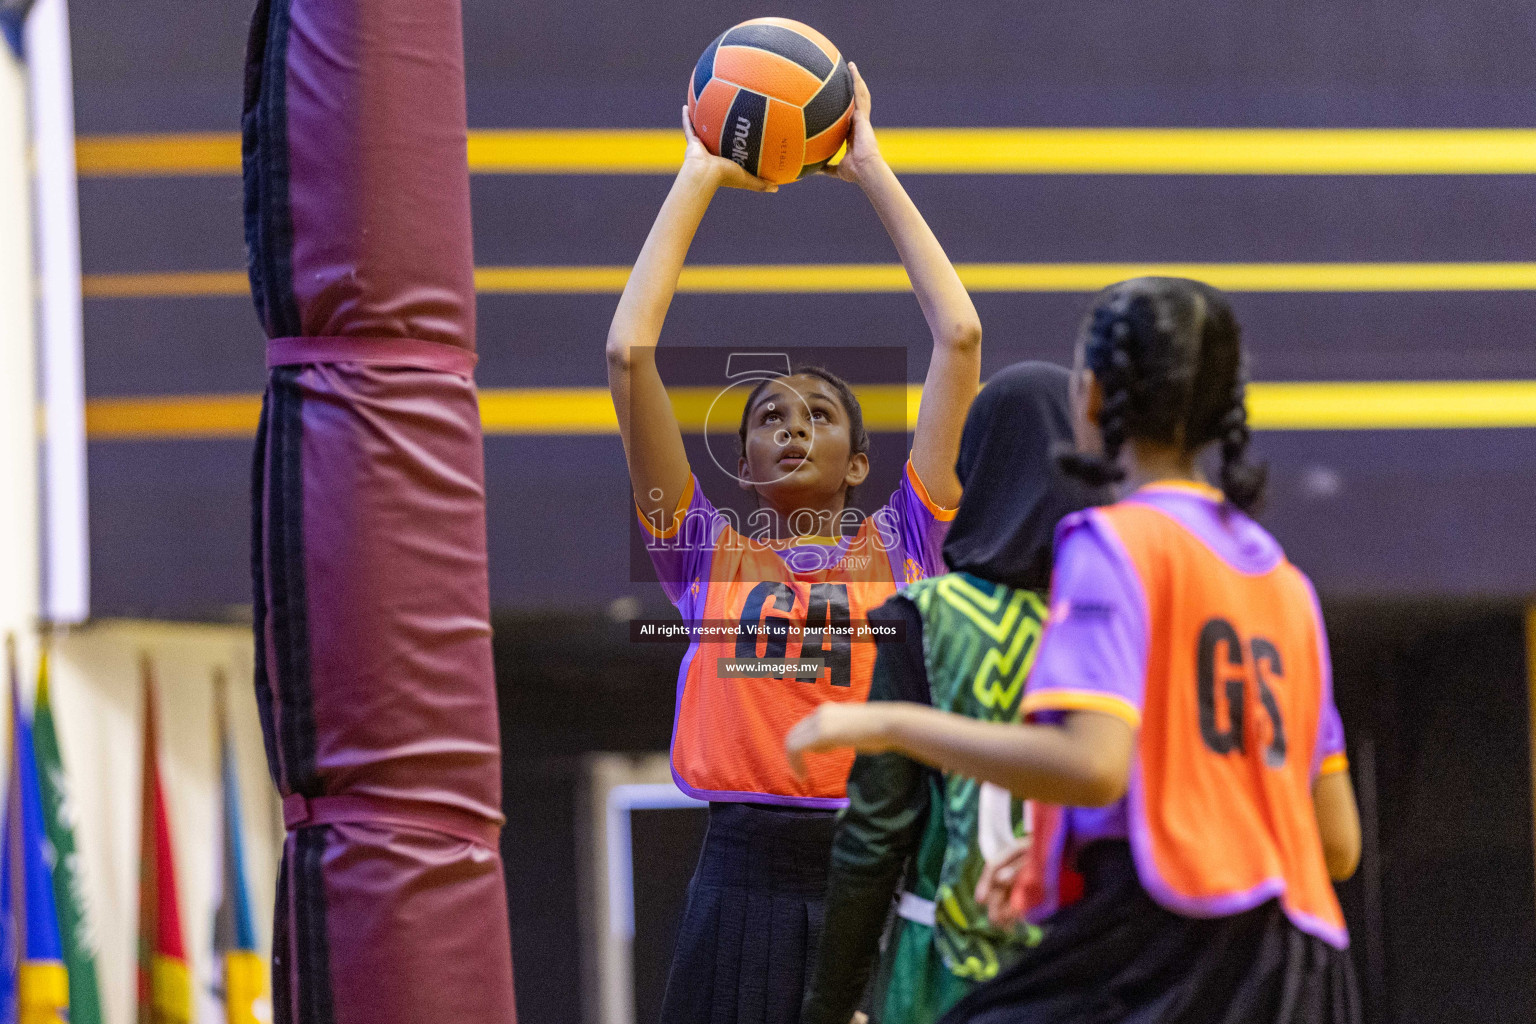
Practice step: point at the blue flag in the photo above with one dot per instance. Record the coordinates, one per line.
(39, 990)
(13, 15)
(234, 926)
(10, 953)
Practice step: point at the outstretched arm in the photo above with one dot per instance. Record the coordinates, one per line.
(653, 442)
(1083, 762)
(954, 371)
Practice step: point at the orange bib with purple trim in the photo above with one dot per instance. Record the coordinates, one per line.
(802, 601)
(1221, 793)
(729, 734)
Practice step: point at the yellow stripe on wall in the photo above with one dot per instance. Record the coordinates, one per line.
(1326, 405)
(189, 416)
(173, 285)
(552, 280)
(1209, 151)
(1392, 405)
(190, 153)
(575, 151)
(849, 278)
(887, 407)
(926, 151)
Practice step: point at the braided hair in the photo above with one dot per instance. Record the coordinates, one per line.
(1168, 354)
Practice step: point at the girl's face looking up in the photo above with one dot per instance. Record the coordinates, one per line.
(799, 448)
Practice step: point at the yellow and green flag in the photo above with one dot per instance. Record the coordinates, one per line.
(74, 931)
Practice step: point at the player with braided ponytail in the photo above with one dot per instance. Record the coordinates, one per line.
(1182, 743)
(1167, 356)
(1241, 481)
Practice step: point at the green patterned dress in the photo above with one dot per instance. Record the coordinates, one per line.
(974, 645)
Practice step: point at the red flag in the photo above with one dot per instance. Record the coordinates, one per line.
(165, 983)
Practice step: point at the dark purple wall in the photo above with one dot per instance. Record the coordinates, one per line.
(172, 65)
(1402, 513)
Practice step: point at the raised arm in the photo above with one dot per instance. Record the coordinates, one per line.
(1083, 762)
(954, 370)
(653, 442)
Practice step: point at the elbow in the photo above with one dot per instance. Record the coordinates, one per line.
(963, 335)
(1342, 857)
(1100, 790)
(1101, 781)
(1096, 766)
(620, 354)
(625, 353)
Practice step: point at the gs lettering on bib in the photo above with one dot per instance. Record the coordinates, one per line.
(799, 602)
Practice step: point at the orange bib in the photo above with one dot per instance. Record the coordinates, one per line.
(1221, 794)
(728, 739)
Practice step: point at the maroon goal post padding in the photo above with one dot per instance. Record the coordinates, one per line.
(373, 643)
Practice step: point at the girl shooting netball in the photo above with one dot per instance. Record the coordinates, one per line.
(753, 915)
(1182, 707)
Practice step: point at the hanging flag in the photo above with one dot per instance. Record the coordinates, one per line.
(10, 954)
(41, 985)
(165, 983)
(234, 928)
(13, 16)
(74, 932)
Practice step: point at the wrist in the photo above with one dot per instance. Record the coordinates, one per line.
(870, 168)
(700, 174)
(894, 726)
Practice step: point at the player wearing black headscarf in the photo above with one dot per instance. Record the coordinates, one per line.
(969, 641)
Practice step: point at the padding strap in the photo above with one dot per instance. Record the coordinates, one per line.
(404, 352)
(303, 812)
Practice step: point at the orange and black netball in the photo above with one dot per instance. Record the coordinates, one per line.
(774, 95)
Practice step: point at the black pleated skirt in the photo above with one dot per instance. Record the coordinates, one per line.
(1117, 956)
(748, 939)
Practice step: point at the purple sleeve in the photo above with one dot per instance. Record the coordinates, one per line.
(1330, 739)
(1328, 754)
(920, 525)
(680, 549)
(1093, 656)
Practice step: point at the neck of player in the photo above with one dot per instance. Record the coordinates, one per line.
(1147, 462)
(806, 519)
